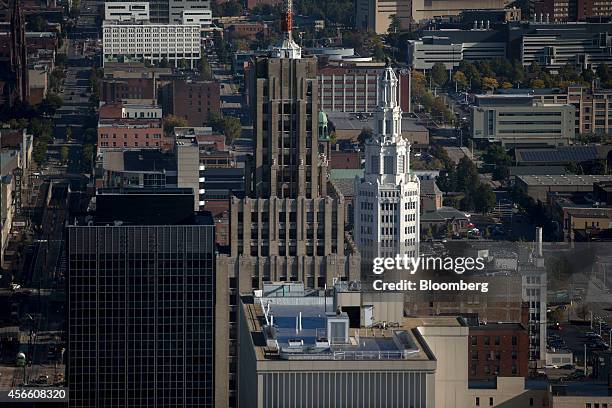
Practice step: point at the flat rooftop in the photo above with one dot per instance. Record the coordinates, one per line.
(562, 180)
(284, 340)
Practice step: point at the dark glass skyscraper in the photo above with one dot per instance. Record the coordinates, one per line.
(141, 315)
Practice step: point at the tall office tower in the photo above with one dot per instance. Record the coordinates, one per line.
(290, 226)
(141, 311)
(387, 197)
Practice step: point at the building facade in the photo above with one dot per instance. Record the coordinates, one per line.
(376, 15)
(516, 120)
(498, 350)
(132, 133)
(195, 100)
(290, 225)
(126, 11)
(182, 10)
(553, 46)
(151, 42)
(448, 50)
(140, 316)
(387, 204)
(355, 88)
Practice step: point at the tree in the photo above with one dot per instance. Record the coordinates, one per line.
(163, 63)
(497, 155)
(538, 83)
(68, 134)
(490, 83)
(205, 69)
(439, 74)
(501, 173)
(467, 174)
(364, 135)
(587, 75)
(88, 152)
(215, 121)
(506, 85)
(484, 198)
(603, 73)
(51, 103)
(172, 121)
(38, 24)
(183, 64)
(64, 154)
(232, 128)
(419, 84)
(461, 80)
(395, 24)
(556, 315)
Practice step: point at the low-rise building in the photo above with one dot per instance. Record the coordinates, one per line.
(133, 133)
(195, 100)
(450, 47)
(498, 350)
(133, 41)
(126, 11)
(515, 120)
(506, 392)
(297, 345)
(538, 187)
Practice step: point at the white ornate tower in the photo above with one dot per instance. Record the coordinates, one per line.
(288, 47)
(387, 197)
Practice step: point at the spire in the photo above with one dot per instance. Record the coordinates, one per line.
(389, 113)
(288, 47)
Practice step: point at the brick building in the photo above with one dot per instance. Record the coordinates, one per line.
(498, 350)
(195, 100)
(572, 10)
(132, 133)
(115, 89)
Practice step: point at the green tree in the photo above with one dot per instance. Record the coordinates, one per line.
(163, 63)
(364, 135)
(64, 154)
(497, 155)
(439, 74)
(603, 73)
(501, 173)
(51, 103)
(88, 153)
(461, 80)
(484, 198)
(538, 83)
(68, 134)
(467, 174)
(172, 121)
(490, 83)
(587, 75)
(232, 128)
(395, 24)
(205, 69)
(215, 121)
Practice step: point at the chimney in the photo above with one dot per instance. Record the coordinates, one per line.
(539, 241)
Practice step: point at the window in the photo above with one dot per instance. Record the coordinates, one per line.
(497, 340)
(388, 165)
(514, 341)
(490, 401)
(486, 341)
(477, 401)
(375, 164)
(531, 402)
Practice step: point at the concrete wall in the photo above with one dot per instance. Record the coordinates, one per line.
(450, 348)
(510, 392)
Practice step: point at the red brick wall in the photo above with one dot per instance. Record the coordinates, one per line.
(195, 101)
(487, 354)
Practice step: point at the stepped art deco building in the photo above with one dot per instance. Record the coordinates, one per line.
(290, 224)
